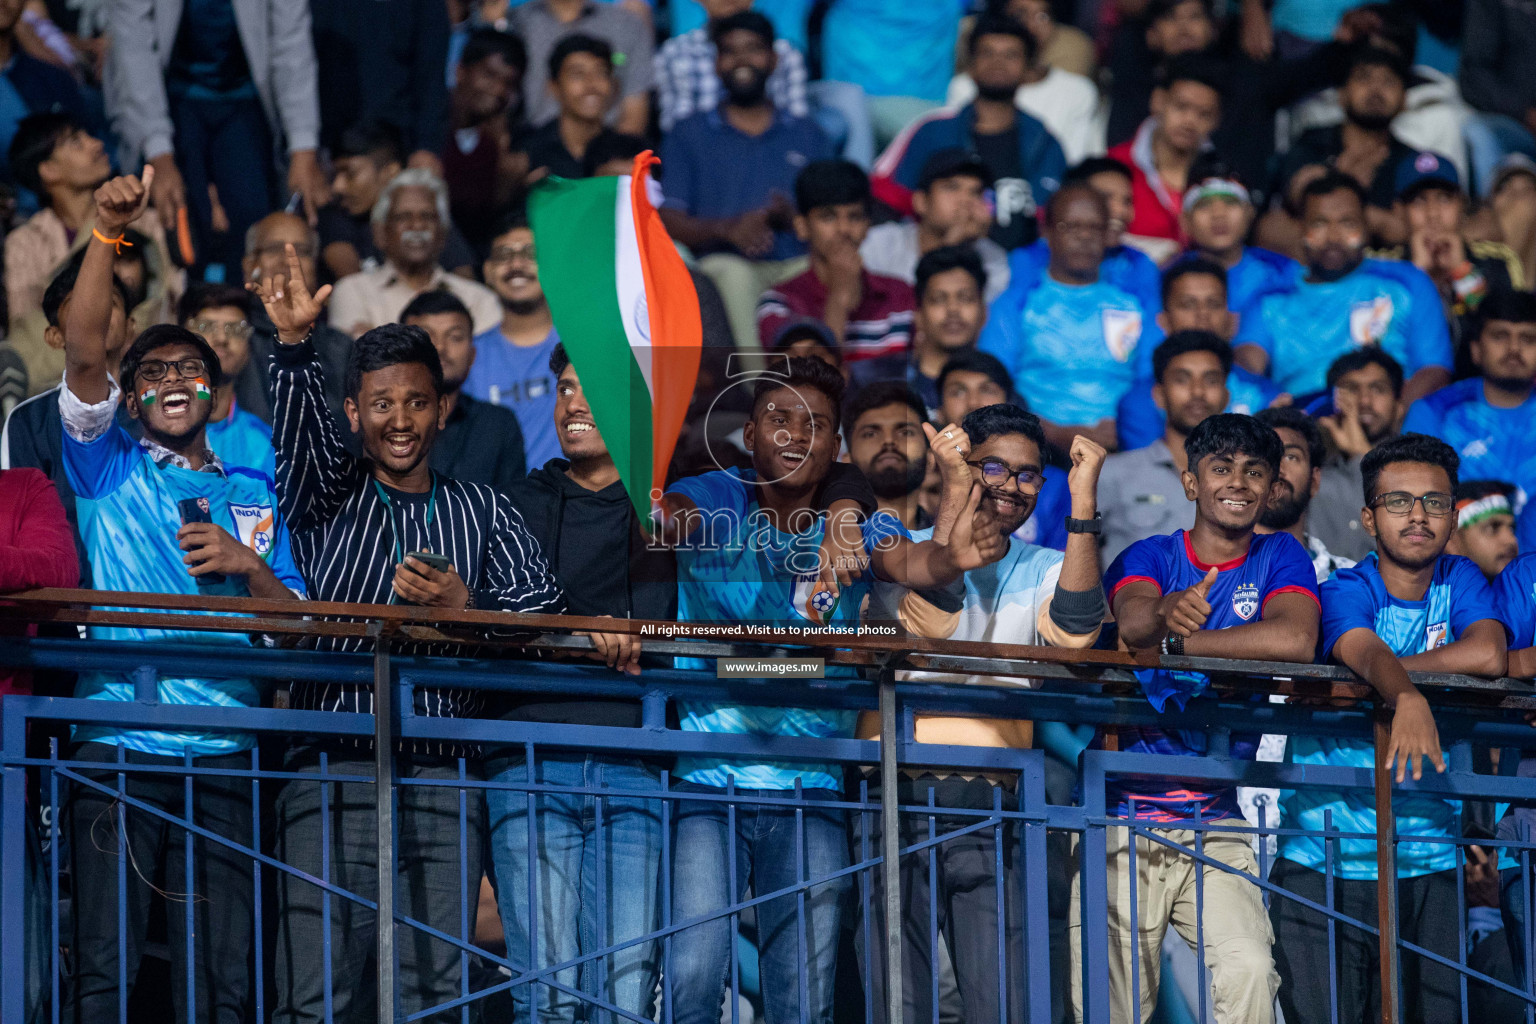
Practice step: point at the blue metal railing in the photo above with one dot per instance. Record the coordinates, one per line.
(1018, 821)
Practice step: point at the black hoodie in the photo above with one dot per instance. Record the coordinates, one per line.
(597, 552)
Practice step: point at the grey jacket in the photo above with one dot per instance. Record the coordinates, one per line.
(276, 37)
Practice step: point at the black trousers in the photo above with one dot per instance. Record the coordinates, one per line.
(430, 891)
(120, 860)
(967, 896)
(1427, 916)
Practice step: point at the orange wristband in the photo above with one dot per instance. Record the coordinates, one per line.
(117, 243)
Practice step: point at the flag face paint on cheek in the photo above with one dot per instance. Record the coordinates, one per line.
(147, 396)
(201, 387)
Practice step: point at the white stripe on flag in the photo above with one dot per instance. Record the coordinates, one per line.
(630, 281)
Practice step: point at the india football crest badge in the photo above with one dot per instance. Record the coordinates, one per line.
(255, 523)
(1245, 601)
(1368, 321)
(1435, 635)
(813, 600)
(1122, 329)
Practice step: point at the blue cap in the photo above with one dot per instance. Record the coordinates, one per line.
(1423, 169)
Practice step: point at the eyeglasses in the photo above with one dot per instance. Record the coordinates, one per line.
(508, 253)
(237, 331)
(156, 369)
(996, 472)
(1400, 503)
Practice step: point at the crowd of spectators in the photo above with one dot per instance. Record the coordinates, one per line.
(1187, 326)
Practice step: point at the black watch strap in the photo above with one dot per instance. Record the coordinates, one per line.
(1094, 525)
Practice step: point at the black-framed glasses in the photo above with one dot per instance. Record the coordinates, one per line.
(156, 369)
(508, 253)
(996, 472)
(1400, 503)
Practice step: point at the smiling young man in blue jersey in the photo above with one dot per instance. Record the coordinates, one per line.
(1490, 419)
(1345, 301)
(1217, 590)
(1070, 338)
(164, 516)
(746, 543)
(1408, 606)
(361, 526)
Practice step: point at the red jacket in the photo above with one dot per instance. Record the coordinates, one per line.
(1157, 208)
(37, 549)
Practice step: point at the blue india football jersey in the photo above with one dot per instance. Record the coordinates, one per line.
(1494, 443)
(242, 439)
(1071, 348)
(128, 514)
(1139, 421)
(1259, 273)
(1276, 563)
(1392, 306)
(1127, 268)
(1357, 598)
(739, 567)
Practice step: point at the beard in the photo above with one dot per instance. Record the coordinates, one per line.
(892, 482)
(1285, 512)
(1370, 122)
(1510, 383)
(522, 307)
(996, 93)
(746, 92)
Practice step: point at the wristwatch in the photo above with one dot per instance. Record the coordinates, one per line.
(1094, 525)
(1173, 644)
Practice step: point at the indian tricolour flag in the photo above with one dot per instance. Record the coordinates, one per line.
(625, 308)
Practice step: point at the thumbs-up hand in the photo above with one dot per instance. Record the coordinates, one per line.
(1184, 611)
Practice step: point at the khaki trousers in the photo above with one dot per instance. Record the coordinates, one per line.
(1235, 925)
(742, 282)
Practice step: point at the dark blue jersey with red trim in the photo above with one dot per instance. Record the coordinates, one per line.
(1275, 564)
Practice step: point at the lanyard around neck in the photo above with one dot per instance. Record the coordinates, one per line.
(389, 514)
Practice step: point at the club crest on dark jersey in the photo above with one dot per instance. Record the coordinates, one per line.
(1245, 600)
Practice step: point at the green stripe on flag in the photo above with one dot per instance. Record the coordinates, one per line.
(573, 223)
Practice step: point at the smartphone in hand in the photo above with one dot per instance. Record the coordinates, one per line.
(441, 563)
(195, 510)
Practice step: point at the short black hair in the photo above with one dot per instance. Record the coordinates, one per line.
(37, 136)
(379, 141)
(1508, 305)
(944, 259)
(982, 425)
(995, 24)
(611, 146)
(1370, 55)
(1407, 448)
(1159, 9)
(831, 183)
(159, 336)
(876, 396)
(1326, 184)
(1079, 173)
(1191, 67)
(808, 329)
(434, 301)
(1190, 266)
(509, 218)
(1228, 434)
(743, 21)
(64, 282)
(486, 42)
(558, 359)
(1359, 359)
(391, 345)
(1288, 417)
(977, 362)
(578, 43)
(207, 295)
(1066, 193)
(1180, 342)
(804, 372)
(1476, 490)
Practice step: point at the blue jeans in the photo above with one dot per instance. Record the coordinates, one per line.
(596, 882)
(771, 853)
